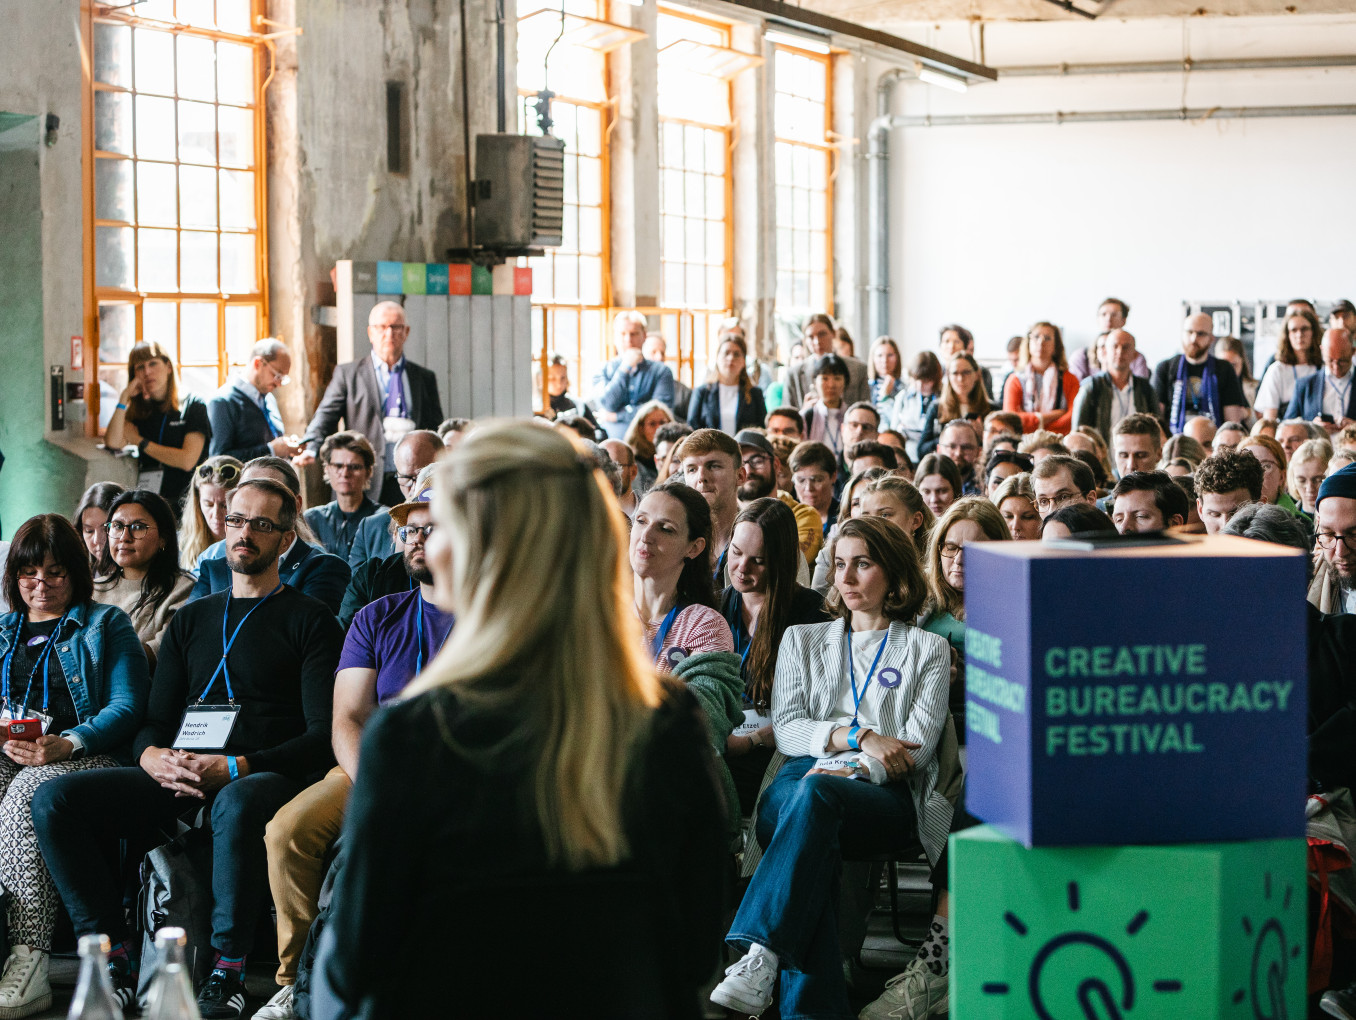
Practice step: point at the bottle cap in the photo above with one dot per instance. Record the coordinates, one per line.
(171, 936)
(94, 944)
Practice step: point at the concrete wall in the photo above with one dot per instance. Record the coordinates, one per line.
(1000, 226)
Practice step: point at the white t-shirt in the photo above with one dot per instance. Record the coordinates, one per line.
(1278, 385)
(1335, 394)
(865, 645)
(729, 407)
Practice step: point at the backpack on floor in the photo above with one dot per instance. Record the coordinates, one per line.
(176, 891)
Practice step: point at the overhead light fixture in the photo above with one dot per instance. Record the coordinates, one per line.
(941, 79)
(800, 42)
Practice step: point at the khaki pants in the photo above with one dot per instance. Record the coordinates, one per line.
(297, 839)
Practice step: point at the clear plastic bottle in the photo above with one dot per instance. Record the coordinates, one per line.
(94, 992)
(171, 995)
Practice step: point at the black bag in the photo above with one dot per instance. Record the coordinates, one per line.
(176, 892)
(301, 991)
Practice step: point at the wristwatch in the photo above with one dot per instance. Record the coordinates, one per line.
(141, 446)
(755, 740)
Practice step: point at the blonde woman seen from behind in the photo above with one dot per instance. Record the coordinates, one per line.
(551, 765)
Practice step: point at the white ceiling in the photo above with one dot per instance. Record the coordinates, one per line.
(883, 14)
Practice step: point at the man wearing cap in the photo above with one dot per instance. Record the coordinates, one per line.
(1343, 316)
(384, 396)
(1334, 586)
(1327, 398)
(389, 642)
(760, 479)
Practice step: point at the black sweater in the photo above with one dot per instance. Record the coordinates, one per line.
(442, 852)
(282, 673)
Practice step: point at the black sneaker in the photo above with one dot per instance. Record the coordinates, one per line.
(222, 996)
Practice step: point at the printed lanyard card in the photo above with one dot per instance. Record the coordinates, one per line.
(206, 727)
(151, 480)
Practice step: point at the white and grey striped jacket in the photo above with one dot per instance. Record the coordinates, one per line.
(805, 692)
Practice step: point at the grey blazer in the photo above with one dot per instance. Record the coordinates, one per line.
(1093, 405)
(355, 396)
(805, 692)
(801, 380)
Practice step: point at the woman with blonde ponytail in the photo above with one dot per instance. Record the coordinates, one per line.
(538, 759)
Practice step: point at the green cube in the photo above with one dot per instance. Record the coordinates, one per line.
(1189, 930)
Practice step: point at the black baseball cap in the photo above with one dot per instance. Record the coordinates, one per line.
(748, 437)
(1344, 307)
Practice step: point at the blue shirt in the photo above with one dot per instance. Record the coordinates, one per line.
(621, 391)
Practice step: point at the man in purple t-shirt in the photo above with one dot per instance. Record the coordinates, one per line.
(388, 643)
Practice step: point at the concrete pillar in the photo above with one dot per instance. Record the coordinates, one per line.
(755, 222)
(634, 73)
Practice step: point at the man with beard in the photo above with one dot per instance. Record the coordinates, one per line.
(760, 479)
(238, 719)
(390, 641)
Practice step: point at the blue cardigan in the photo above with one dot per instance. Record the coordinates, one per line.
(106, 673)
(311, 571)
(1307, 401)
(703, 412)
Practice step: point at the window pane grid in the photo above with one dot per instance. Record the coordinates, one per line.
(176, 185)
(802, 167)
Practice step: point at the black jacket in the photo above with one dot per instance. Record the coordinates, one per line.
(1332, 700)
(703, 412)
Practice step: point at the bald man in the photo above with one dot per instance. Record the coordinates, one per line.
(1196, 382)
(1116, 392)
(384, 396)
(1326, 397)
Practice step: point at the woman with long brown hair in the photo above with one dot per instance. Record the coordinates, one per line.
(1297, 357)
(762, 601)
(1042, 390)
(650, 417)
(170, 430)
(963, 396)
(730, 401)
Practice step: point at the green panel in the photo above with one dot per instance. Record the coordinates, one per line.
(414, 277)
(1190, 930)
(37, 477)
(482, 280)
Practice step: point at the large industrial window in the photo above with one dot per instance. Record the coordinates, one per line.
(570, 291)
(803, 173)
(694, 163)
(178, 252)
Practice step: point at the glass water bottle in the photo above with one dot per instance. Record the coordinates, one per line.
(171, 995)
(94, 992)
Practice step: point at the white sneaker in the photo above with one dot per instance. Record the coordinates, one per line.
(912, 995)
(24, 988)
(748, 984)
(279, 1007)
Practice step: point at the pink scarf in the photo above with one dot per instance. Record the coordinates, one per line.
(1049, 397)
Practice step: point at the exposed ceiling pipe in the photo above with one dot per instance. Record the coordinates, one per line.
(878, 161)
(1109, 116)
(1177, 66)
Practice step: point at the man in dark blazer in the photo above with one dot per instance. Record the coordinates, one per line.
(1328, 392)
(383, 396)
(246, 422)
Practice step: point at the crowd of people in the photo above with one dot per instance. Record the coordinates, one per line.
(661, 664)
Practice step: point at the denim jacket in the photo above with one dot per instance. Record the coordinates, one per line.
(106, 672)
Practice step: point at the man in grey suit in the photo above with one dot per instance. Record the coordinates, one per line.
(384, 396)
(800, 380)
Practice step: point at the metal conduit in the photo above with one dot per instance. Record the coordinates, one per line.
(1175, 66)
(878, 189)
(1109, 116)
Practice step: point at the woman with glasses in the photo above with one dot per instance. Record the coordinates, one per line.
(204, 511)
(77, 668)
(963, 396)
(1308, 467)
(90, 516)
(1274, 466)
(146, 582)
(169, 430)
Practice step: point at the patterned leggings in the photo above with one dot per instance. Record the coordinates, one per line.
(33, 910)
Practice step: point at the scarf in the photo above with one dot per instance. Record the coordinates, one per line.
(1209, 401)
(1050, 397)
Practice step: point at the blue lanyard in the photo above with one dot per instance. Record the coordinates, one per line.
(738, 631)
(664, 629)
(222, 669)
(852, 673)
(44, 660)
(720, 566)
(419, 638)
(1342, 394)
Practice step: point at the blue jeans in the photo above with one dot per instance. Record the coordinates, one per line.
(809, 824)
(76, 817)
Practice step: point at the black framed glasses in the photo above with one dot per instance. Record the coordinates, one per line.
(137, 528)
(260, 524)
(1326, 540)
(409, 531)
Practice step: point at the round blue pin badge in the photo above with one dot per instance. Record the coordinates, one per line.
(891, 677)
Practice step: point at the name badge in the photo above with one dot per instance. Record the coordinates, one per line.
(7, 716)
(206, 727)
(753, 720)
(150, 480)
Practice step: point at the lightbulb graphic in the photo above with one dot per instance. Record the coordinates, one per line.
(1271, 956)
(1081, 973)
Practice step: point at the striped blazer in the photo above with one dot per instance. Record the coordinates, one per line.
(805, 693)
